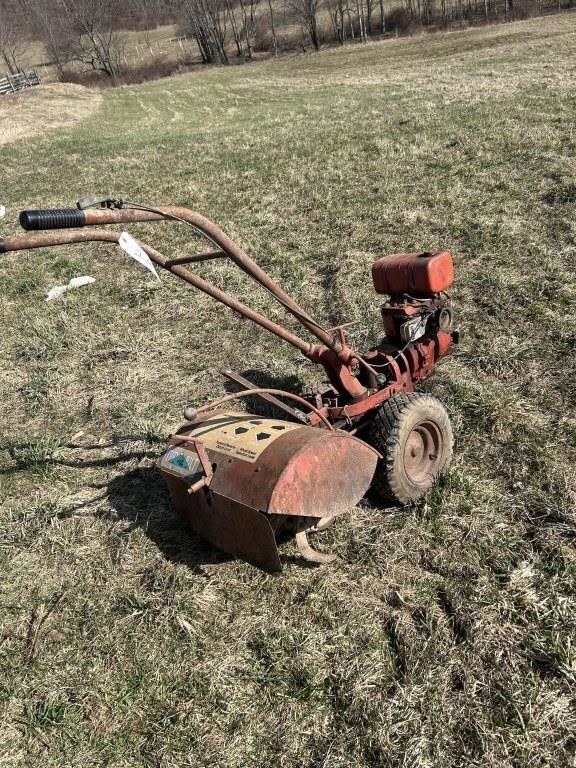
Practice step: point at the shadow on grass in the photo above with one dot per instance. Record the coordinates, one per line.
(40, 453)
(259, 406)
(141, 498)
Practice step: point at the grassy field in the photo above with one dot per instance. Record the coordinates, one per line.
(445, 634)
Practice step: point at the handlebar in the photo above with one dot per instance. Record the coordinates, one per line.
(116, 211)
(52, 218)
(113, 211)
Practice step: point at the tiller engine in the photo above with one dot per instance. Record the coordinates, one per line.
(239, 478)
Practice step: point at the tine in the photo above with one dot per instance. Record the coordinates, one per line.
(322, 524)
(311, 554)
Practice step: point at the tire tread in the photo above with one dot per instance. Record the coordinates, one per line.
(385, 434)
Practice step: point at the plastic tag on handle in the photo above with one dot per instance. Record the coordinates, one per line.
(131, 247)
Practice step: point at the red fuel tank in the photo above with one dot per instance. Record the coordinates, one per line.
(413, 273)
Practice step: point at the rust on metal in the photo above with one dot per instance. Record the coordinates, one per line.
(50, 239)
(197, 257)
(272, 399)
(238, 478)
(413, 273)
(422, 452)
(265, 467)
(212, 232)
(281, 467)
(268, 391)
(310, 554)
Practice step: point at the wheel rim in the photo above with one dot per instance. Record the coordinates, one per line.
(423, 453)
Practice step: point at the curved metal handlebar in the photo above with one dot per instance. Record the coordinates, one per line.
(49, 239)
(71, 217)
(122, 212)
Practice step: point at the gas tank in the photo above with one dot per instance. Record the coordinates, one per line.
(263, 472)
(413, 273)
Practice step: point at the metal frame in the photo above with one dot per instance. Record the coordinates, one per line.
(358, 381)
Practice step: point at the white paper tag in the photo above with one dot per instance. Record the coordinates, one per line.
(2, 211)
(131, 247)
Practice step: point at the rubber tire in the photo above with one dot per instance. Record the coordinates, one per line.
(391, 426)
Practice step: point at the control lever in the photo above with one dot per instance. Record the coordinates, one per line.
(97, 201)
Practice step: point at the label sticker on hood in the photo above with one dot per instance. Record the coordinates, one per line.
(241, 437)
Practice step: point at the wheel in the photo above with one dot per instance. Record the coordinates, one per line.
(413, 434)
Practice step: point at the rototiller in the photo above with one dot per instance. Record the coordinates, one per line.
(238, 478)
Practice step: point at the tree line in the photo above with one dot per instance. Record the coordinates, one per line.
(89, 34)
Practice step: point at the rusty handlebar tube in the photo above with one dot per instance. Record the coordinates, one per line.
(336, 357)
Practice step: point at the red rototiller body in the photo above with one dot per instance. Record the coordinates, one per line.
(239, 478)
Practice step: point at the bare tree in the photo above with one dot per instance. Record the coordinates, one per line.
(349, 17)
(369, 12)
(235, 29)
(53, 28)
(205, 21)
(336, 9)
(97, 45)
(306, 11)
(273, 28)
(90, 32)
(248, 26)
(11, 40)
(361, 15)
(253, 4)
(382, 18)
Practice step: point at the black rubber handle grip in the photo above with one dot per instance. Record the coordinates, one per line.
(52, 218)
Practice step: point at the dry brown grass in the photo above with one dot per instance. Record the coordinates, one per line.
(38, 110)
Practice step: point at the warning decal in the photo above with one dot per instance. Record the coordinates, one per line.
(182, 462)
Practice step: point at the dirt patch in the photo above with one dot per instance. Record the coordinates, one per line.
(45, 108)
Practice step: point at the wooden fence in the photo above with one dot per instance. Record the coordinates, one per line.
(13, 83)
